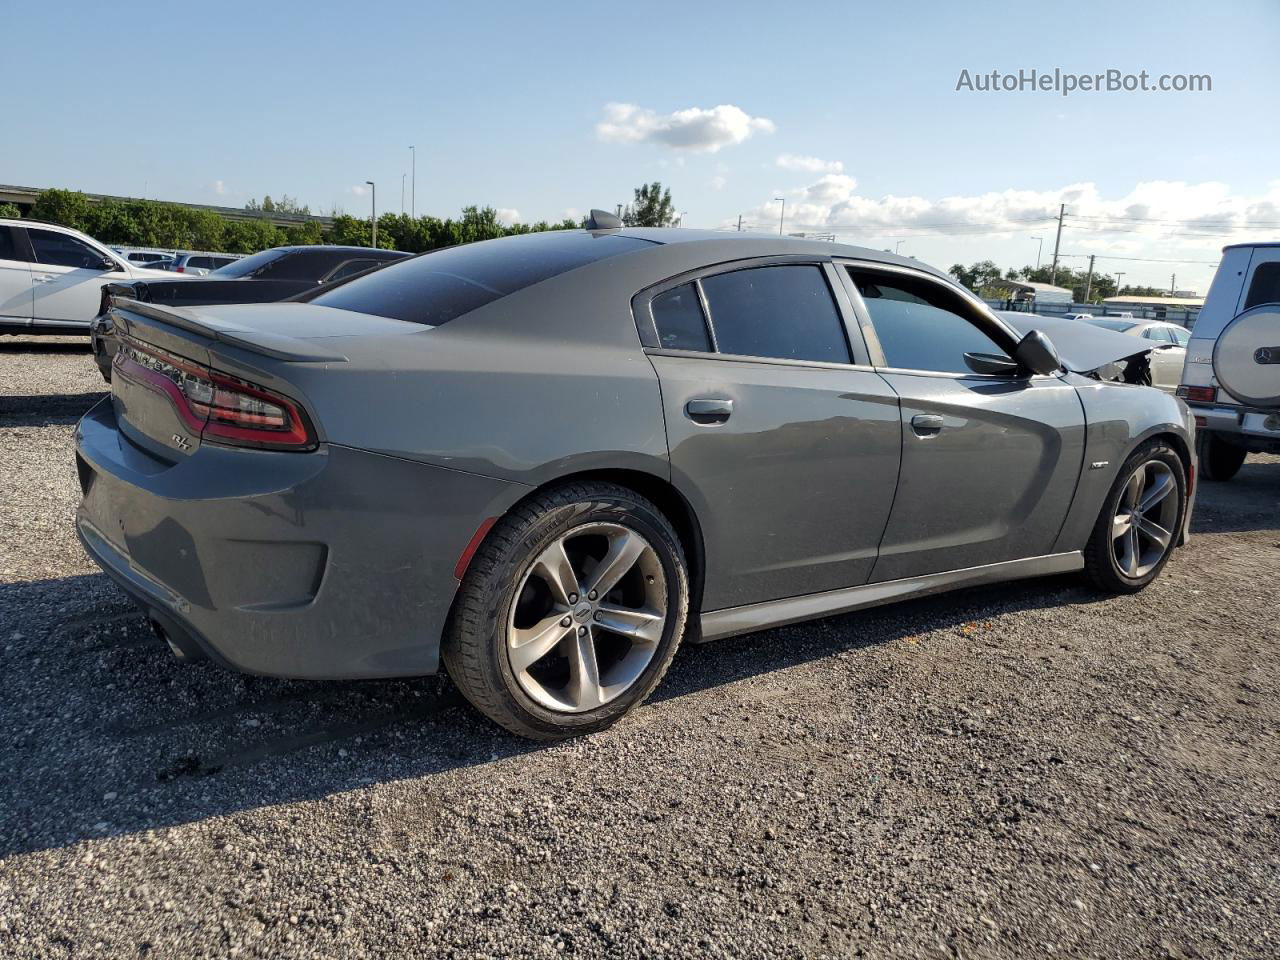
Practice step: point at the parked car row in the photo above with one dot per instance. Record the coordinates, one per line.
(543, 461)
(53, 278)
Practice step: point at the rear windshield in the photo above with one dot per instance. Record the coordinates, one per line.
(247, 265)
(438, 287)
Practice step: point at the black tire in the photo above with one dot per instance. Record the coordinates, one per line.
(1101, 564)
(1219, 460)
(475, 647)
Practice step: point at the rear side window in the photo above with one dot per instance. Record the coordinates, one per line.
(1159, 334)
(349, 268)
(677, 314)
(438, 287)
(1180, 337)
(248, 266)
(782, 312)
(919, 326)
(1265, 286)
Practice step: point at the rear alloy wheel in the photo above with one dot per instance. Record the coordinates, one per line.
(570, 612)
(1219, 460)
(1140, 523)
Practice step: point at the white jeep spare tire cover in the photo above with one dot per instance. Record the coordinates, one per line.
(1246, 358)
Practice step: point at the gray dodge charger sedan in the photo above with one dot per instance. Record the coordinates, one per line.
(547, 459)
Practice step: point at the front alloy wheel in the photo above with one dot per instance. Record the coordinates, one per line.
(1140, 521)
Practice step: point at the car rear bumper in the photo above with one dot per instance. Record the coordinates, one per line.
(335, 563)
(1247, 425)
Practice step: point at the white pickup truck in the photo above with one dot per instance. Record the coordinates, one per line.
(1231, 378)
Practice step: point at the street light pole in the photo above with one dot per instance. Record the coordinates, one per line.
(1039, 250)
(402, 176)
(783, 215)
(898, 246)
(413, 189)
(373, 211)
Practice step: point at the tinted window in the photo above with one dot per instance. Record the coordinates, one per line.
(9, 245)
(918, 326)
(784, 312)
(1158, 334)
(217, 262)
(441, 286)
(60, 250)
(678, 316)
(248, 265)
(350, 267)
(1265, 287)
(199, 263)
(1180, 337)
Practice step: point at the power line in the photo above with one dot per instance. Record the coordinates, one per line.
(1220, 222)
(1106, 256)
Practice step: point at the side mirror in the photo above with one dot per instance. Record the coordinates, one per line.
(108, 265)
(1035, 352)
(991, 364)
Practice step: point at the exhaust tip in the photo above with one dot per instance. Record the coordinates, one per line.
(183, 652)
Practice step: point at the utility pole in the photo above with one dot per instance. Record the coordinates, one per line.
(1039, 250)
(1119, 274)
(373, 211)
(783, 215)
(402, 176)
(1173, 284)
(898, 246)
(1053, 276)
(739, 223)
(1088, 283)
(413, 189)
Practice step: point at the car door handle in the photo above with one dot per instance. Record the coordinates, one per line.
(44, 278)
(709, 410)
(926, 424)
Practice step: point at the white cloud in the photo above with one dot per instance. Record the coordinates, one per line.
(359, 189)
(695, 128)
(803, 164)
(718, 182)
(1177, 214)
(508, 215)
(219, 188)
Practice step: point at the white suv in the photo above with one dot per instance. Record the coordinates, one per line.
(51, 277)
(1231, 380)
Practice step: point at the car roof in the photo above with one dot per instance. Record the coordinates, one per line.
(711, 245)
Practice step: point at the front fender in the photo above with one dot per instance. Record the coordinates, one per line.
(1118, 419)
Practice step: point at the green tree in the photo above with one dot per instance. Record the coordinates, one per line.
(652, 207)
(10, 211)
(67, 207)
(286, 204)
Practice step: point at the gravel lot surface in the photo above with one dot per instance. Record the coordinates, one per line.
(1030, 770)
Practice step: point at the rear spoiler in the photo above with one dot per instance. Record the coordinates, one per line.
(276, 346)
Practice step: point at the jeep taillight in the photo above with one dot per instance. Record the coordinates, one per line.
(1198, 394)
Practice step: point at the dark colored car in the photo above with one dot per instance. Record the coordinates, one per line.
(544, 460)
(264, 277)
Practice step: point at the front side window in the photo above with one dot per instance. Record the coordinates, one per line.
(60, 250)
(677, 314)
(919, 324)
(782, 312)
(1180, 337)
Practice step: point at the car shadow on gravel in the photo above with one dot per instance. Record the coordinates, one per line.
(108, 734)
(41, 346)
(1250, 501)
(49, 409)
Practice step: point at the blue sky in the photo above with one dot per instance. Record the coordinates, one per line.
(850, 111)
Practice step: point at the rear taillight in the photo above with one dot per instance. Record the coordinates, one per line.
(1199, 394)
(218, 407)
(179, 269)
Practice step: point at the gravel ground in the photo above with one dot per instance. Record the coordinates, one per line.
(1029, 770)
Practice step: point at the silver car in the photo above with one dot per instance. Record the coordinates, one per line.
(1171, 346)
(546, 460)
